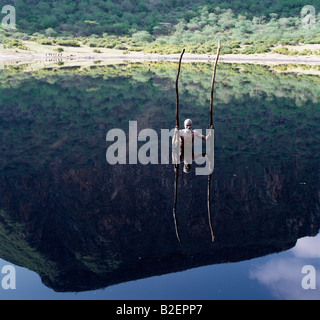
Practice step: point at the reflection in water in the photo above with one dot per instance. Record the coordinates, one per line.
(283, 276)
(183, 152)
(83, 224)
(176, 174)
(209, 207)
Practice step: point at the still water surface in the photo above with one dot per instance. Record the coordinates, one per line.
(77, 227)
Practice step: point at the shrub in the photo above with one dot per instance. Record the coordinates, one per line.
(282, 50)
(50, 32)
(45, 42)
(142, 36)
(226, 50)
(305, 52)
(293, 53)
(110, 45)
(120, 47)
(68, 43)
(262, 49)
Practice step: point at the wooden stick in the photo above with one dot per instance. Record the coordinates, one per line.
(211, 125)
(209, 207)
(212, 84)
(175, 201)
(177, 89)
(177, 166)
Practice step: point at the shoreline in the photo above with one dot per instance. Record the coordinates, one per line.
(265, 59)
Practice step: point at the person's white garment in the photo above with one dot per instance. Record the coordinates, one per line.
(176, 147)
(188, 136)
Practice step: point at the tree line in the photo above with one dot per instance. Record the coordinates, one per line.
(86, 17)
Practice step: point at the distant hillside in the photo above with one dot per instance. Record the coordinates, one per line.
(158, 17)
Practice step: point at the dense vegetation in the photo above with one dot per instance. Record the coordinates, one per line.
(84, 17)
(254, 26)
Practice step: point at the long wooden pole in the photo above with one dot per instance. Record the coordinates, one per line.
(213, 82)
(209, 207)
(175, 202)
(177, 89)
(211, 127)
(177, 166)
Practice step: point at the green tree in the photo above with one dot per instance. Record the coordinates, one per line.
(142, 36)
